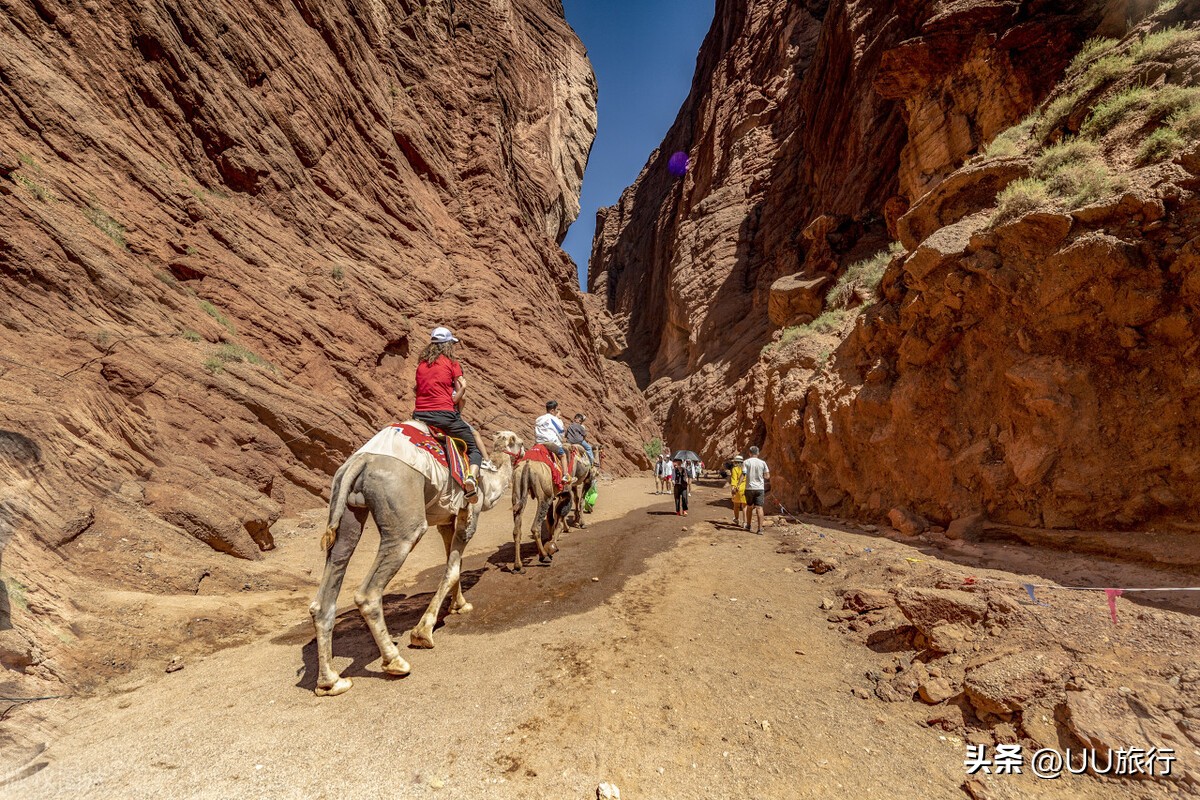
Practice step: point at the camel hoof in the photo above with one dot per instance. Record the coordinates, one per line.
(545, 559)
(420, 639)
(465, 608)
(398, 667)
(518, 569)
(551, 549)
(340, 686)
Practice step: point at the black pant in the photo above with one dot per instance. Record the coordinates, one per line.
(681, 497)
(452, 423)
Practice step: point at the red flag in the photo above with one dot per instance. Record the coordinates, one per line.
(1112, 595)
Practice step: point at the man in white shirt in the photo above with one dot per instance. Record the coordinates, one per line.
(548, 430)
(662, 473)
(757, 475)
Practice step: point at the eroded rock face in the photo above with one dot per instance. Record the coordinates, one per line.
(226, 230)
(1017, 372)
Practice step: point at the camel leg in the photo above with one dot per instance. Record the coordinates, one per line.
(459, 604)
(422, 634)
(400, 527)
(518, 509)
(324, 606)
(540, 528)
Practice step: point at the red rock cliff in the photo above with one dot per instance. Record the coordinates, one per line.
(226, 230)
(818, 133)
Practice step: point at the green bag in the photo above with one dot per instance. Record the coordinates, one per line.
(589, 500)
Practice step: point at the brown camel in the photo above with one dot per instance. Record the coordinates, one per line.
(404, 504)
(532, 479)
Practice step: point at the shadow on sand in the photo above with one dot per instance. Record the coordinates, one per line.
(352, 638)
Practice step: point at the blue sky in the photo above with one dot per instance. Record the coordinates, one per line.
(644, 53)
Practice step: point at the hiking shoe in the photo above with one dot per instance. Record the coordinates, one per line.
(470, 489)
(759, 531)
(685, 513)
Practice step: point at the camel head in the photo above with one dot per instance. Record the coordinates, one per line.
(508, 442)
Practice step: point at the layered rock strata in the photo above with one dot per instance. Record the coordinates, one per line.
(226, 230)
(1024, 363)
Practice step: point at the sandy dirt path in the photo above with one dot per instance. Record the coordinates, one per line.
(696, 665)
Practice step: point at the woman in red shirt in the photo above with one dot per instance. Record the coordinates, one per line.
(440, 390)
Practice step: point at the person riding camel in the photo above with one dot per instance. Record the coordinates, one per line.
(577, 434)
(440, 391)
(548, 430)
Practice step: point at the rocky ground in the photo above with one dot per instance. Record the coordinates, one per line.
(672, 657)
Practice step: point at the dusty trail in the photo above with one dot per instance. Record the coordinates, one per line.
(696, 666)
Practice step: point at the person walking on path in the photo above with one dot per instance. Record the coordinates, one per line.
(662, 473)
(440, 390)
(682, 480)
(737, 487)
(757, 474)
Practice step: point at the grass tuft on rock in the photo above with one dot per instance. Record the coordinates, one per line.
(1012, 141)
(1021, 197)
(1157, 44)
(1108, 114)
(862, 274)
(214, 312)
(107, 225)
(1159, 146)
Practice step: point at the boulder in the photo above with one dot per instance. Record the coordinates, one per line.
(965, 527)
(796, 299)
(926, 609)
(1109, 719)
(907, 522)
(949, 637)
(864, 600)
(936, 690)
(1013, 682)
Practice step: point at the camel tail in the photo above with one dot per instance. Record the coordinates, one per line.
(343, 482)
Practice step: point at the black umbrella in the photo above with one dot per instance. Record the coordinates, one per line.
(685, 455)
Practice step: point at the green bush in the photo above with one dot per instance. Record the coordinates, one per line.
(214, 365)
(236, 353)
(1082, 182)
(831, 321)
(865, 273)
(1012, 141)
(1160, 145)
(1172, 100)
(653, 449)
(1069, 151)
(1187, 122)
(1056, 113)
(1158, 43)
(1021, 197)
(1106, 115)
(1091, 49)
(190, 335)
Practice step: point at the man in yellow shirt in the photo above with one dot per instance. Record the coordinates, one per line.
(737, 485)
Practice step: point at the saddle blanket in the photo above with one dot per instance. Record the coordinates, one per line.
(396, 442)
(541, 454)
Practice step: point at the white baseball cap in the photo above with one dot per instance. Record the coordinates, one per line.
(441, 336)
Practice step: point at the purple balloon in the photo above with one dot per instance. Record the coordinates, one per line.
(678, 165)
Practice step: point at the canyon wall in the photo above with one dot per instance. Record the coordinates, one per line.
(226, 230)
(1027, 362)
